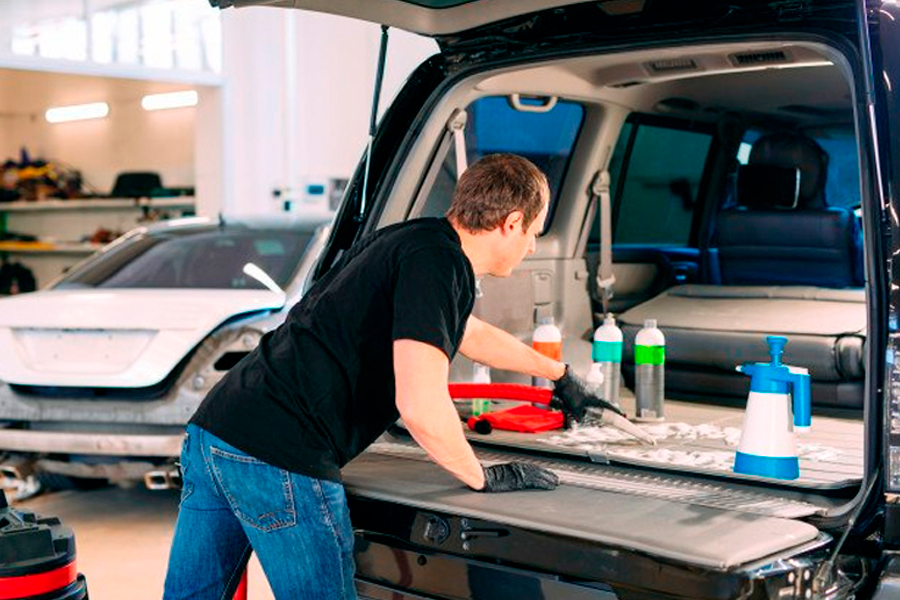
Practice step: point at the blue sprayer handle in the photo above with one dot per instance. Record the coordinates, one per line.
(800, 392)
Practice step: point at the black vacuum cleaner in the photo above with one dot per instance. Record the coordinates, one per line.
(37, 557)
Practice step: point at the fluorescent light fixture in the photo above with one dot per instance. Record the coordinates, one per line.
(170, 100)
(77, 112)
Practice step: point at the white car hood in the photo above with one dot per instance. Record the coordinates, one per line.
(112, 338)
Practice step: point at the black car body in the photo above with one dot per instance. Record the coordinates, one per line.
(669, 98)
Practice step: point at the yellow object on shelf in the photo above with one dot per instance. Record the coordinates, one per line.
(49, 247)
(20, 245)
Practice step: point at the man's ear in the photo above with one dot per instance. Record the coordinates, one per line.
(514, 219)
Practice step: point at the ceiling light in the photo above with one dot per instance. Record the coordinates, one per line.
(77, 112)
(170, 100)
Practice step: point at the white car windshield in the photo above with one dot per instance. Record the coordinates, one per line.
(208, 258)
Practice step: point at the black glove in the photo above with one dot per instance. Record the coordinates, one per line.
(512, 476)
(571, 396)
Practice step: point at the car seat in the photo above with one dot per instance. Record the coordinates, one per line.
(782, 231)
(789, 265)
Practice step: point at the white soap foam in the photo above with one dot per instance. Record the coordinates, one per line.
(818, 452)
(709, 459)
(614, 442)
(660, 431)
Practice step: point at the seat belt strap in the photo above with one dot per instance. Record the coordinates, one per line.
(605, 276)
(457, 126)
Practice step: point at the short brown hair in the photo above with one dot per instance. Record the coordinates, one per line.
(493, 187)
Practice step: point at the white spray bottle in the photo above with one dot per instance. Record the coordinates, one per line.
(768, 446)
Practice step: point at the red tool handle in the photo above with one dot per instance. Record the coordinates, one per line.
(500, 391)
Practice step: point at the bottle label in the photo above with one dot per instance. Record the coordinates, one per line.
(551, 349)
(607, 352)
(649, 355)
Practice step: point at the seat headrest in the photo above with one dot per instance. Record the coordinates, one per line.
(136, 184)
(768, 187)
(793, 150)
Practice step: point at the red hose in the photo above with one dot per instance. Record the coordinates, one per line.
(500, 391)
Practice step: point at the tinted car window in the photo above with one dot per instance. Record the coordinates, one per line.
(842, 182)
(656, 170)
(211, 258)
(544, 136)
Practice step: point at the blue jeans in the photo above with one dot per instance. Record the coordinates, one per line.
(233, 503)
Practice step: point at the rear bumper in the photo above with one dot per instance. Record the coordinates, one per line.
(104, 444)
(176, 408)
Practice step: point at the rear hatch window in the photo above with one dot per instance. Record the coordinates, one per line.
(543, 129)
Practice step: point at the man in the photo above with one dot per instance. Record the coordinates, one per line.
(370, 341)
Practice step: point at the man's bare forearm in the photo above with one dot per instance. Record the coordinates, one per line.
(428, 412)
(498, 349)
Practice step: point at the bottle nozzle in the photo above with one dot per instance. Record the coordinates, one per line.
(776, 348)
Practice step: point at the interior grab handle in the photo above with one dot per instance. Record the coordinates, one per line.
(535, 104)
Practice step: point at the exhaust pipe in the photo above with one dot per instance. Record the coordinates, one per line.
(166, 478)
(17, 477)
(17, 467)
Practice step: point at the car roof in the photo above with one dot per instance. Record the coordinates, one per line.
(303, 222)
(474, 19)
(428, 17)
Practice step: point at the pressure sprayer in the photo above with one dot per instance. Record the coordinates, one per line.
(768, 446)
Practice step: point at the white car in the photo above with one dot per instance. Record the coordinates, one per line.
(102, 370)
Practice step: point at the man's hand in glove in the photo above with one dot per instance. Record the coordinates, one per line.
(571, 396)
(512, 476)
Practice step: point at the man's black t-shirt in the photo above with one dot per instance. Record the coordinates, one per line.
(320, 388)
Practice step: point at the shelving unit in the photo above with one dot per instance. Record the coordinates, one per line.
(62, 226)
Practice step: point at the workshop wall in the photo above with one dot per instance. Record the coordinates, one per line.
(129, 139)
(297, 102)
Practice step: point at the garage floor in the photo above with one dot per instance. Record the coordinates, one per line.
(122, 539)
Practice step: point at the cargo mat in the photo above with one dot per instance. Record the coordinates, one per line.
(647, 520)
(666, 487)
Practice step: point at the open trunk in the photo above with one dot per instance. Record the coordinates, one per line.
(674, 102)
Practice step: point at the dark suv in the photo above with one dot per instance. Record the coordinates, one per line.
(750, 148)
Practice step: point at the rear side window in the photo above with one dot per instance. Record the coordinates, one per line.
(842, 182)
(655, 173)
(543, 131)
